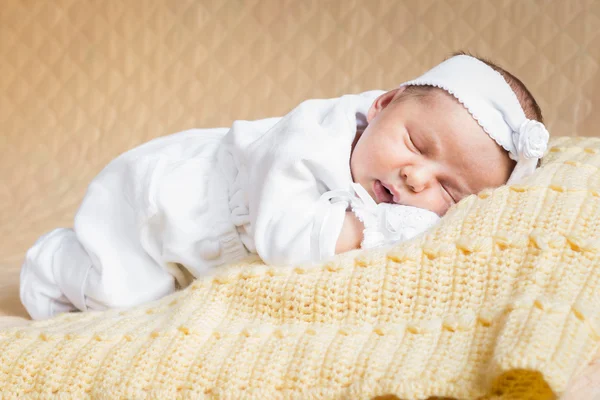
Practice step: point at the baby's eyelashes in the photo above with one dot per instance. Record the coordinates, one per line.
(450, 195)
(412, 145)
(451, 199)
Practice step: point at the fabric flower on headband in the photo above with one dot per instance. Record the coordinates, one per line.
(531, 140)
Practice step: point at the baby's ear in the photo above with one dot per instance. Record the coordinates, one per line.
(382, 102)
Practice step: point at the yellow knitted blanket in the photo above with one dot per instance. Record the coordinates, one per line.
(501, 300)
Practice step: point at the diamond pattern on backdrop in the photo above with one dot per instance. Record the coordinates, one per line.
(83, 80)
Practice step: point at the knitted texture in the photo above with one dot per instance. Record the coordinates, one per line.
(501, 300)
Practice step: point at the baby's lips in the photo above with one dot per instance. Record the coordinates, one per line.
(395, 193)
(380, 193)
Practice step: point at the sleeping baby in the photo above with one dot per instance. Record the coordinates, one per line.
(359, 171)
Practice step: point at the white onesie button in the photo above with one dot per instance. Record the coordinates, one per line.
(209, 249)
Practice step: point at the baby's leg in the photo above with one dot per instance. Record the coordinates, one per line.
(102, 263)
(141, 216)
(58, 276)
(46, 290)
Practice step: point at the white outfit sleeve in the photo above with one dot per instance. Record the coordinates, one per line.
(291, 167)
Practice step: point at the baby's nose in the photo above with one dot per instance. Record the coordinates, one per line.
(416, 187)
(416, 179)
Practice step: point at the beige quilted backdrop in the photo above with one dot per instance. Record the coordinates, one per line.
(83, 80)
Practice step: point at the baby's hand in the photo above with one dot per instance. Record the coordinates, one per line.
(351, 235)
(386, 223)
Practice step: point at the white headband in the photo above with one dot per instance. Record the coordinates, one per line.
(493, 104)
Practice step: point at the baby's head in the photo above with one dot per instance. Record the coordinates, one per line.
(463, 126)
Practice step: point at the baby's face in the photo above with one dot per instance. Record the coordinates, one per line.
(425, 151)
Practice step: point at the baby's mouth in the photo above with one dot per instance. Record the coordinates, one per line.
(382, 193)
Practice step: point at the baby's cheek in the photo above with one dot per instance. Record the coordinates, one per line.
(440, 202)
(432, 200)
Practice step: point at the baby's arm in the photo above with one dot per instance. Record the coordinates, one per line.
(310, 229)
